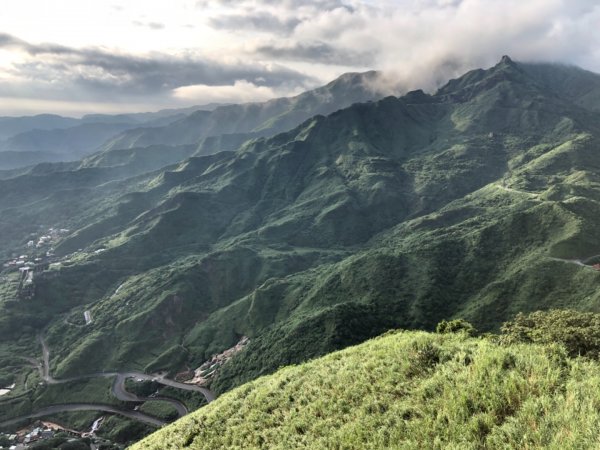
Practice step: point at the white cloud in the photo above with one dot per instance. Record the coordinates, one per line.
(240, 91)
(425, 42)
(420, 43)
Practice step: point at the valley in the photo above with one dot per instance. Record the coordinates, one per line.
(166, 249)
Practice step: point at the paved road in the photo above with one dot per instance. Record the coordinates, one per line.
(119, 391)
(45, 372)
(69, 407)
(208, 394)
(577, 262)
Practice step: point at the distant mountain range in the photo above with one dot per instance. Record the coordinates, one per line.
(30, 140)
(211, 128)
(478, 201)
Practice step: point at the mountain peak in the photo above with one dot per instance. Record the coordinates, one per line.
(506, 63)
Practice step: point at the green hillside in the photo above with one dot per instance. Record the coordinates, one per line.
(479, 201)
(406, 390)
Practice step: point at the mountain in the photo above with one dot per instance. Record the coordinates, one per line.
(49, 138)
(17, 159)
(479, 201)
(227, 127)
(157, 118)
(408, 390)
(72, 142)
(251, 120)
(572, 83)
(11, 126)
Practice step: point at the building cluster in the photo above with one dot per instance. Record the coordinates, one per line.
(41, 430)
(44, 242)
(24, 438)
(22, 262)
(206, 372)
(52, 235)
(37, 257)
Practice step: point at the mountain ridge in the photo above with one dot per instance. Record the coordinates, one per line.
(257, 119)
(471, 202)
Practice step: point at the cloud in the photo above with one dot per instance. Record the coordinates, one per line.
(318, 51)
(240, 91)
(260, 21)
(275, 47)
(429, 44)
(99, 73)
(423, 43)
(321, 5)
(150, 25)
(8, 41)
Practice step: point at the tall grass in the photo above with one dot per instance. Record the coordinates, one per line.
(408, 390)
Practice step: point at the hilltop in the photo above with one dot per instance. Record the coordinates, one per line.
(409, 390)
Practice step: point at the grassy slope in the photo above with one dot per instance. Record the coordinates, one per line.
(406, 390)
(391, 214)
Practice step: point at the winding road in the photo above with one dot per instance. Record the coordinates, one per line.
(118, 390)
(54, 409)
(45, 373)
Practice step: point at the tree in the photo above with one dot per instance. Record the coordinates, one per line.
(4, 441)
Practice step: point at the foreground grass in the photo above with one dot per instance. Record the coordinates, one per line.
(408, 390)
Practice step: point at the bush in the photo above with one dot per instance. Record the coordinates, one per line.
(578, 332)
(455, 326)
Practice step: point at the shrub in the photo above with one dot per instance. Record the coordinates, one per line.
(455, 326)
(578, 332)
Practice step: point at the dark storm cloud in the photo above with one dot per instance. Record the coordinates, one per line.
(105, 73)
(315, 52)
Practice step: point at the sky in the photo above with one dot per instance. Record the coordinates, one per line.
(74, 57)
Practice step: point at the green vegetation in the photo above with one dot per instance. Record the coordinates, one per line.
(406, 390)
(480, 201)
(80, 420)
(159, 409)
(191, 399)
(578, 332)
(62, 443)
(124, 431)
(455, 326)
(95, 390)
